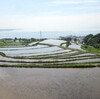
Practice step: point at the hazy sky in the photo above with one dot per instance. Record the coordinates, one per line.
(50, 15)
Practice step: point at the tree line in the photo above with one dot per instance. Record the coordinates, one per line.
(92, 40)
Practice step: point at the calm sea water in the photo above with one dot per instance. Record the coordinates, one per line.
(45, 34)
(32, 83)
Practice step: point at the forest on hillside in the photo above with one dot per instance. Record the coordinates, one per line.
(92, 40)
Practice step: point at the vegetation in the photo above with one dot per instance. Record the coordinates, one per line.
(91, 49)
(67, 43)
(92, 43)
(66, 38)
(10, 43)
(2, 54)
(55, 65)
(17, 41)
(92, 40)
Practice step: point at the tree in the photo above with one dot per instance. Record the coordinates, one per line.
(75, 40)
(20, 39)
(93, 40)
(33, 39)
(66, 38)
(15, 39)
(68, 43)
(87, 38)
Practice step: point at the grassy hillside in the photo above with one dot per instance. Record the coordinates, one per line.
(10, 43)
(91, 49)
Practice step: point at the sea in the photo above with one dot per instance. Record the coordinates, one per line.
(43, 34)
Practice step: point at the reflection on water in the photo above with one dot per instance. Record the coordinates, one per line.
(53, 41)
(25, 83)
(10, 48)
(29, 51)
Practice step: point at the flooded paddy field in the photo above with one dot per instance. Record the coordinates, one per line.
(46, 54)
(32, 83)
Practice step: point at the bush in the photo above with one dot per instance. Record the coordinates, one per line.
(97, 45)
(2, 54)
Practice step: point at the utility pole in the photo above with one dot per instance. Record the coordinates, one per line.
(40, 35)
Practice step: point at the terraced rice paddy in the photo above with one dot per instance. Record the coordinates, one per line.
(48, 53)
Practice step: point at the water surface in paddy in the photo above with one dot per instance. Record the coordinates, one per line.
(28, 83)
(24, 52)
(53, 41)
(74, 46)
(22, 48)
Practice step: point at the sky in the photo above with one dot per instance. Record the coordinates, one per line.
(50, 15)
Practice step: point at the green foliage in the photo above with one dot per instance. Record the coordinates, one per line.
(2, 54)
(87, 39)
(68, 43)
(91, 49)
(12, 43)
(93, 40)
(15, 39)
(69, 65)
(66, 38)
(97, 46)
